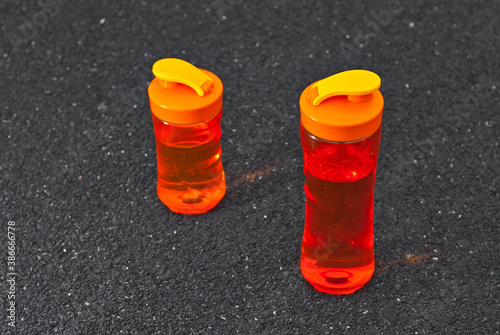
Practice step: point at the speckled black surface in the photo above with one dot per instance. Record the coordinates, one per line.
(97, 253)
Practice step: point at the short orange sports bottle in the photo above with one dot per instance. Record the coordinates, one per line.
(341, 119)
(186, 106)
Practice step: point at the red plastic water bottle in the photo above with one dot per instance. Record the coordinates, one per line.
(186, 106)
(341, 120)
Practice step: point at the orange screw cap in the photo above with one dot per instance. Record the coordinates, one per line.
(344, 107)
(183, 94)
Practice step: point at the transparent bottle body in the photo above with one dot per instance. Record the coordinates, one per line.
(190, 174)
(337, 246)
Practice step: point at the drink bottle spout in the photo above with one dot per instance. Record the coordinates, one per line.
(172, 71)
(358, 85)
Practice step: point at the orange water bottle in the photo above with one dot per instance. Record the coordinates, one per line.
(186, 106)
(341, 119)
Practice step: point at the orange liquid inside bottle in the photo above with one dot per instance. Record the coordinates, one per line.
(337, 246)
(190, 175)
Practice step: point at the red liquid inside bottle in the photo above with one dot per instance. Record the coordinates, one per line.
(337, 246)
(190, 175)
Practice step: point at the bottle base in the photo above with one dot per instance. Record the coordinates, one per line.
(336, 280)
(190, 198)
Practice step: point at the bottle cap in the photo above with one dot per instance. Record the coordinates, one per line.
(344, 107)
(181, 93)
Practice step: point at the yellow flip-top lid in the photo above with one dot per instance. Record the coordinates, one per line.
(344, 107)
(181, 93)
